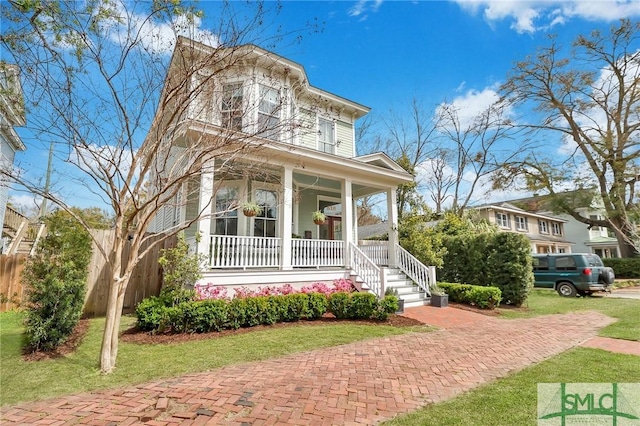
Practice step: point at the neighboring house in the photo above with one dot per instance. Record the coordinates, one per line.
(11, 115)
(586, 239)
(547, 233)
(311, 164)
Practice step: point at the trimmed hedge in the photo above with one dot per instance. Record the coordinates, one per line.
(162, 314)
(624, 267)
(475, 295)
(501, 259)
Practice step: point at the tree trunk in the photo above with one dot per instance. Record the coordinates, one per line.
(109, 350)
(117, 289)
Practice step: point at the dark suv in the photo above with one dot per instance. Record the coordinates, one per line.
(572, 273)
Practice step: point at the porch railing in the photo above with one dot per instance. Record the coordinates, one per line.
(378, 252)
(423, 276)
(317, 253)
(367, 270)
(229, 251)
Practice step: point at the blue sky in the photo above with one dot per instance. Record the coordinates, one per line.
(384, 53)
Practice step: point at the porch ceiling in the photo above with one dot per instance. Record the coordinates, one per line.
(312, 181)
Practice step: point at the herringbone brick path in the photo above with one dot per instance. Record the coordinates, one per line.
(358, 383)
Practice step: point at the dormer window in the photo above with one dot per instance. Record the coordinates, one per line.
(326, 136)
(269, 113)
(232, 106)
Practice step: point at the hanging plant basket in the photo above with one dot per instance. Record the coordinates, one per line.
(318, 217)
(251, 209)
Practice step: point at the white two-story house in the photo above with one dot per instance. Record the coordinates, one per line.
(11, 115)
(546, 232)
(298, 156)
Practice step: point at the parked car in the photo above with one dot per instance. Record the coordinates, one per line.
(571, 274)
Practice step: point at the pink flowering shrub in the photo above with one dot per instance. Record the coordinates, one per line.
(210, 291)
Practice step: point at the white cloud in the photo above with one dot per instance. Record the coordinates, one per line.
(360, 9)
(529, 16)
(158, 37)
(472, 103)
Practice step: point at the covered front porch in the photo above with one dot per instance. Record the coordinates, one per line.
(282, 244)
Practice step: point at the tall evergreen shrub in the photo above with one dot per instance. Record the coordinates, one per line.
(55, 278)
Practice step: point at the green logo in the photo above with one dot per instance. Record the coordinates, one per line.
(616, 404)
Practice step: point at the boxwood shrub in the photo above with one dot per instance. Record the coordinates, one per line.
(161, 314)
(475, 295)
(624, 267)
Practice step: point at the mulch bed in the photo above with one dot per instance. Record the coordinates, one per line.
(136, 336)
(66, 348)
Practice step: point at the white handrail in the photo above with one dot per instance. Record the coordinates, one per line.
(423, 276)
(367, 270)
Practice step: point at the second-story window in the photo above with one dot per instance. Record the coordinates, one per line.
(543, 226)
(269, 113)
(502, 219)
(556, 228)
(232, 106)
(595, 217)
(326, 138)
(521, 223)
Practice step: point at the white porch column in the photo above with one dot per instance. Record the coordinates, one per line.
(392, 219)
(287, 218)
(206, 206)
(355, 222)
(347, 217)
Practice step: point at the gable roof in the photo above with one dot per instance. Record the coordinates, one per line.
(380, 159)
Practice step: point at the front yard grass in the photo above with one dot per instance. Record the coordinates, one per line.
(513, 400)
(544, 302)
(78, 372)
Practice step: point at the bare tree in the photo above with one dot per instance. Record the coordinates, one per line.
(439, 177)
(586, 102)
(477, 149)
(97, 77)
(410, 140)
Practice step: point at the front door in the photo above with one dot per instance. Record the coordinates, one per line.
(331, 229)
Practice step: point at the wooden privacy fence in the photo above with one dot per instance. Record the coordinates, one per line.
(145, 281)
(11, 291)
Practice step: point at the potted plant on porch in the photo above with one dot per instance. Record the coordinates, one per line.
(390, 291)
(251, 208)
(318, 217)
(439, 298)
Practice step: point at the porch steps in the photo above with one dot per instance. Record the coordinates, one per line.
(407, 291)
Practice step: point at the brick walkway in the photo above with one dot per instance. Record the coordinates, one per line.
(359, 383)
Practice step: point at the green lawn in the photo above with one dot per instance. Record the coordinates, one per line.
(544, 302)
(26, 381)
(513, 399)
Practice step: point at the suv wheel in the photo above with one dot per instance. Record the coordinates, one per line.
(566, 290)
